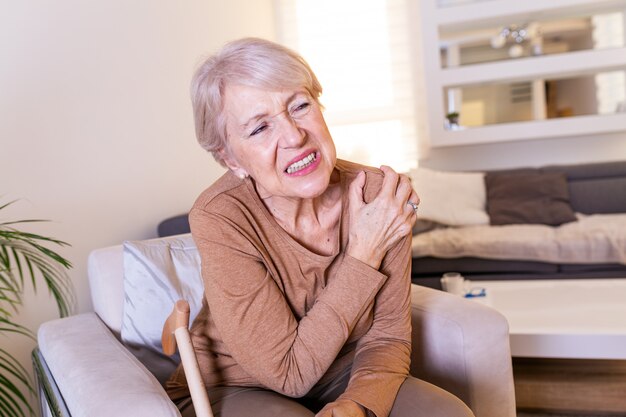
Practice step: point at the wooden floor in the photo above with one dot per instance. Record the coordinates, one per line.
(573, 386)
(540, 414)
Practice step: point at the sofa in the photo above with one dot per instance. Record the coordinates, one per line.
(577, 229)
(109, 362)
(454, 231)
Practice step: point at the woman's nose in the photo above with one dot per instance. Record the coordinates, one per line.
(291, 135)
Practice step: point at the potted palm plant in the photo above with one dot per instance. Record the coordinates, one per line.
(25, 257)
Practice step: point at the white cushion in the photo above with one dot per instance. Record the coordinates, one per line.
(451, 198)
(157, 273)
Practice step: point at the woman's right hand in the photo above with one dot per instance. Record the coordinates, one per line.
(376, 226)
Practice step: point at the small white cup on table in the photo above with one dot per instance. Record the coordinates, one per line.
(454, 283)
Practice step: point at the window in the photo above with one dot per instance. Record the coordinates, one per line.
(359, 49)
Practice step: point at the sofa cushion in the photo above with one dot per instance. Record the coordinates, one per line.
(528, 196)
(157, 273)
(451, 198)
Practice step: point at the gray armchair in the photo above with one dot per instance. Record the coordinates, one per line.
(83, 369)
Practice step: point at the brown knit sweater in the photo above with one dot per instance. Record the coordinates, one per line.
(279, 316)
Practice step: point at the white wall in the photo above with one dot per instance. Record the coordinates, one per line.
(95, 122)
(530, 153)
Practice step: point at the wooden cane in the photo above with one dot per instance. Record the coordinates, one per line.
(176, 331)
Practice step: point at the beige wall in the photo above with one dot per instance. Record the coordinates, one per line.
(95, 121)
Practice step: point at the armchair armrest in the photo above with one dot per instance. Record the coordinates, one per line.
(463, 347)
(96, 375)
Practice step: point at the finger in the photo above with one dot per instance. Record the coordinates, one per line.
(404, 189)
(413, 198)
(390, 181)
(356, 189)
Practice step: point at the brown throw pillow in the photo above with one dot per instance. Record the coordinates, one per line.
(528, 196)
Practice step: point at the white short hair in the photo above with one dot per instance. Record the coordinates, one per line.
(251, 62)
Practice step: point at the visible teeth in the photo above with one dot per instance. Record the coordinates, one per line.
(304, 162)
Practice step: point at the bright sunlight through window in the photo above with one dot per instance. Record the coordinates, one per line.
(364, 79)
(359, 49)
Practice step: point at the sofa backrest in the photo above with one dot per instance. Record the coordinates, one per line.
(596, 188)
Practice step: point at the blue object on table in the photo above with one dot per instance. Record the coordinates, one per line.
(476, 292)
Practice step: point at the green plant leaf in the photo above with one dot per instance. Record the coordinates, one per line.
(18, 264)
(6, 273)
(13, 366)
(39, 261)
(26, 256)
(22, 221)
(9, 326)
(12, 397)
(4, 313)
(10, 394)
(7, 409)
(10, 297)
(7, 204)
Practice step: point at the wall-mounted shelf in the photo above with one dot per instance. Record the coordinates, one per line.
(506, 132)
(531, 69)
(548, 66)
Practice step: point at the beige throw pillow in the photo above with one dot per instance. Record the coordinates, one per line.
(451, 198)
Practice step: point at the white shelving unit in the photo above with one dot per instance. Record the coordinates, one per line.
(478, 15)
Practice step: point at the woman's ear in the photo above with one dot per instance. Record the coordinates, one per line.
(232, 163)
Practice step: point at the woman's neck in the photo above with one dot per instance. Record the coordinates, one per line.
(313, 222)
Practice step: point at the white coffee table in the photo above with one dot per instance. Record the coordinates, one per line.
(568, 339)
(576, 319)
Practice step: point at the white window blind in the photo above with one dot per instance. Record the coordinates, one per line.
(360, 51)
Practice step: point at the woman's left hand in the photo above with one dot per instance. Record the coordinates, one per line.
(342, 408)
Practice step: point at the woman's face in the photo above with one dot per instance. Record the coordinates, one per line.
(280, 139)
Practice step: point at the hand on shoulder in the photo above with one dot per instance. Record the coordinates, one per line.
(378, 225)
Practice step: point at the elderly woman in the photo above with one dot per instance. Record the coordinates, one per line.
(305, 258)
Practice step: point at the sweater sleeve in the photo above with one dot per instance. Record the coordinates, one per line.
(383, 354)
(254, 319)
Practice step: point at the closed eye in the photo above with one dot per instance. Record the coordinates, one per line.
(258, 130)
(301, 109)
